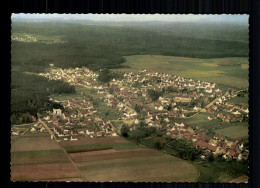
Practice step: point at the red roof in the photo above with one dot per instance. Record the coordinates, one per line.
(232, 153)
(202, 144)
(174, 132)
(212, 148)
(56, 122)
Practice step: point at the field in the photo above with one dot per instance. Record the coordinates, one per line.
(41, 143)
(80, 94)
(149, 168)
(125, 161)
(201, 120)
(234, 131)
(240, 100)
(37, 157)
(224, 71)
(40, 172)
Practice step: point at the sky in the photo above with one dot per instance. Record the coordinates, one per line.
(240, 19)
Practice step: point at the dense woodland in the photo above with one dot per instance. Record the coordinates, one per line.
(103, 47)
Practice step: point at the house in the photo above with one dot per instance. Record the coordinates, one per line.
(211, 118)
(214, 107)
(196, 108)
(202, 144)
(90, 132)
(99, 133)
(33, 130)
(212, 148)
(208, 90)
(73, 138)
(220, 115)
(57, 112)
(182, 98)
(113, 133)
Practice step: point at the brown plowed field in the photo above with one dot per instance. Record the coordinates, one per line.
(32, 144)
(111, 154)
(43, 171)
(86, 141)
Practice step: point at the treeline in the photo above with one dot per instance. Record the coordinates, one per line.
(29, 94)
(100, 46)
(105, 75)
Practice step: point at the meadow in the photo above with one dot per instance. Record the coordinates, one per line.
(235, 131)
(224, 71)
(201, 120)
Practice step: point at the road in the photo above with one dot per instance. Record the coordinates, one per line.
(49, 130)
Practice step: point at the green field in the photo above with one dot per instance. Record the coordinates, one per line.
(201, 120)
(116, 146)
(38, 157)
(236, 131)
(81, 93)
(239, 100)
(162, 168)
(224, 71)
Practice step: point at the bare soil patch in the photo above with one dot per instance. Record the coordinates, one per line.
(241, 179)
(43, 172)
(86, 141)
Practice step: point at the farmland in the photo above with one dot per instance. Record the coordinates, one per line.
(234, 131)
(223, 71)
(153, 168)
(126, 159)
(35, 158)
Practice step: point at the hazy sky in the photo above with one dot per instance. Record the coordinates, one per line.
(242, 19)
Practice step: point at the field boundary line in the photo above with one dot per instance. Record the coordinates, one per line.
(83, 177)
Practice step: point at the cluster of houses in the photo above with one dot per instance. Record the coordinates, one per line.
(218, 145)
(27, 38)
(164, 113)
(80, 119)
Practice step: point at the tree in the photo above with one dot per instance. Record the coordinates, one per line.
(138, 108)
(26, 118)
(111, 90)
(159, 143)
(125, 130)
(14, 119)
(154, 95)
(210, 157)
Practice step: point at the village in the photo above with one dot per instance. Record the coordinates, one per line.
(181, 99)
